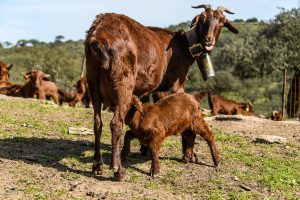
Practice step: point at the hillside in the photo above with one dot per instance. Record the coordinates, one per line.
(40, 160)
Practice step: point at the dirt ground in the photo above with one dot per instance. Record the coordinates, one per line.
(40, 160)
(252, 126)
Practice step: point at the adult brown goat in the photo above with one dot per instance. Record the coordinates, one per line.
(4, 74)
(221, 105)
(124, 58)
(152, 123)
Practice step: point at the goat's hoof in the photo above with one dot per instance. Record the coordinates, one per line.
(194, 159)
(120, 174)
(154, 173)
(185, 159)
(217, 161)
(97, 169)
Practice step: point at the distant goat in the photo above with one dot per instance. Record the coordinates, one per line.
(221, 105)
(4, 74)
(275, 116)
(175, 114)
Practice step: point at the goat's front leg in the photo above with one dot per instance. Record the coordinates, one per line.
(154, 147)
(41, 95)
(126, 147)
(188, 142)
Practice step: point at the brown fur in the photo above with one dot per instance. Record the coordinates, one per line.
(64, 96)
(125, 58)
(4, 74)
(275, 116)
(175, 114)
(221, 105)
(82, 93)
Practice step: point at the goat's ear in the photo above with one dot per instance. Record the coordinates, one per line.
(230, 26)
(195, 21)
(26, 75)
(10, 66)
(137, 103)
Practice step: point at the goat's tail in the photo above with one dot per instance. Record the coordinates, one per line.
(94, 47)
(200, 95)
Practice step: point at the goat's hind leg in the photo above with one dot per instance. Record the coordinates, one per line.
(199, 126)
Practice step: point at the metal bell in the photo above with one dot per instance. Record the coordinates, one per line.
(205, 66)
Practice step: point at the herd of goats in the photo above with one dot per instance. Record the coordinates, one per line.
(125, 60)
(38, 85)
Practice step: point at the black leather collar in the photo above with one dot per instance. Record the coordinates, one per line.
(195, 46)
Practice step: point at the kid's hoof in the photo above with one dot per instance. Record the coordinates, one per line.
(97, 169)
(154, 173)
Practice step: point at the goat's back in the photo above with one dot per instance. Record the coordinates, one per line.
(174, 112)
(121, 52)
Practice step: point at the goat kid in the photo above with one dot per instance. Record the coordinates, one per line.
(175, 114)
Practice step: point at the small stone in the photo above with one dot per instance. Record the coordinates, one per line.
(80, 131)
(245, 187)
(270, 139)
(287, 147)
(236, 178)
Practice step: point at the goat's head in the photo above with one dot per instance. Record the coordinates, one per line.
(35, 77)
(135, 106)
(277, 116)
(4, 71)
(208, 25)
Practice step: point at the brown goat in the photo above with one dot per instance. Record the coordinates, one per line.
(221, 105)
(275, 116)
(41, 86)
(82, 93)
(4, 74)
(175, 114)
(124, 58)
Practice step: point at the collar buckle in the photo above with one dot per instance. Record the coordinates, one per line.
(196, 50)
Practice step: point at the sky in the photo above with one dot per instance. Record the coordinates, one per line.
(45, 19)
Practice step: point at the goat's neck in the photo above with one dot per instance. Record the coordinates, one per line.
(184, 53)
(132, 118)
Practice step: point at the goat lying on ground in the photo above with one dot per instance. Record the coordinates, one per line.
(221, 105)
(174, 114)
(41, 86)
(275, 116)
(37, 84)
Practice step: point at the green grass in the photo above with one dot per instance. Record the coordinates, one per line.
(40, 131)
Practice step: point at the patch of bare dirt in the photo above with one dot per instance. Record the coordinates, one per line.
(251, 126)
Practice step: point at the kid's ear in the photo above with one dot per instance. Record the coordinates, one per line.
(137, 103)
